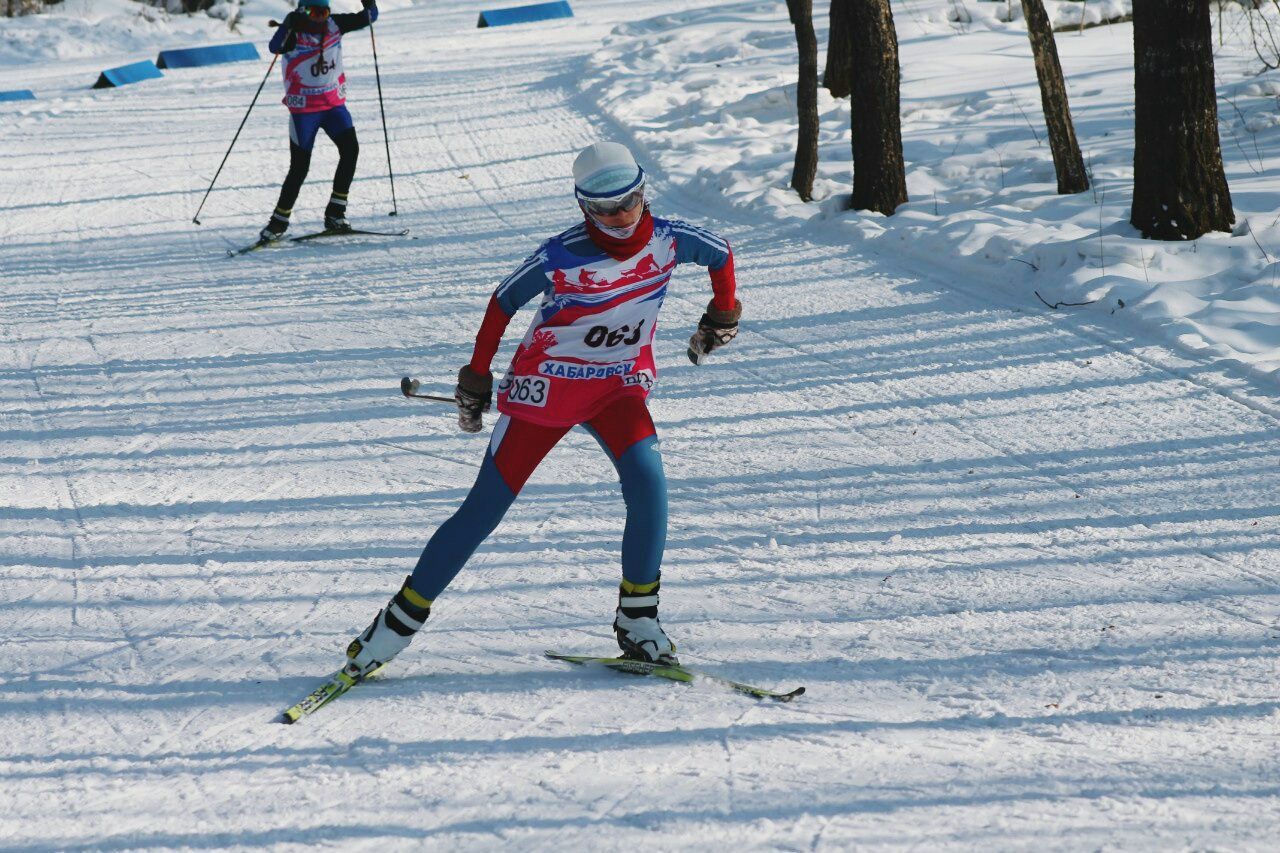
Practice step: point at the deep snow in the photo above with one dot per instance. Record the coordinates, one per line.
(1023, 560)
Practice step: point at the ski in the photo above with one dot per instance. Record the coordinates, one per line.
(676, 672)
(343, 232)
(279, 241)
(333, 687)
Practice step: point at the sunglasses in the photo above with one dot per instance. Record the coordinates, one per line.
(612, 206)
(317, 13)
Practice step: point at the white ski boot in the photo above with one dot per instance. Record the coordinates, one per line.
(390, 633)
(640, 634)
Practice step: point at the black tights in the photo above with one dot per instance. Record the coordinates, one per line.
(300, 162)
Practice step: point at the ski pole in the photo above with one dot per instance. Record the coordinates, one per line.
(395, 208)
(196, 218)
(409, 388)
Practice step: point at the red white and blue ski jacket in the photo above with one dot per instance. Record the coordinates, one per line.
(313, 76)
(591, 341)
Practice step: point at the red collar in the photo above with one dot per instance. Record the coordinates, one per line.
(622, 248)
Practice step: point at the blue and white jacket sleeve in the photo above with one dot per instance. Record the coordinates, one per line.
(284, 40)
(515, 290)
(700, 246)
(526, 282)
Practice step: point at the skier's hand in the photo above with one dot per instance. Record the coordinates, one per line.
(715, 329)
(368, 3)
(474, 395)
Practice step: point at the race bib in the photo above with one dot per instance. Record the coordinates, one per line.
(527, 390)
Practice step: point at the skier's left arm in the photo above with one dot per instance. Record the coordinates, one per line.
(357, 20)
(719, 323)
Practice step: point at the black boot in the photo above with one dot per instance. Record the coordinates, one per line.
(276, 226)
(335, 215)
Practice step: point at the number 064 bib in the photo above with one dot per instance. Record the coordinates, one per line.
(592, 340)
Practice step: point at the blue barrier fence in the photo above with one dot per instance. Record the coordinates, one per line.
(193, 57)
(525, 14)
(125, 74)
(18, 95)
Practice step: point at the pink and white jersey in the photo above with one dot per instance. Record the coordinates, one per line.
(313, 76)
(592, 339)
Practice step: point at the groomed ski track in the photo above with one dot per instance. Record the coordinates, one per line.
(1025, 566)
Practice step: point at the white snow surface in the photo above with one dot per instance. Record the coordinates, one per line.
(1022, 559)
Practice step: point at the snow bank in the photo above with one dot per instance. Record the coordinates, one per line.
(80, 29)
(710, 95)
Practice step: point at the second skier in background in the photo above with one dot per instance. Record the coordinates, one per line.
(310, 42)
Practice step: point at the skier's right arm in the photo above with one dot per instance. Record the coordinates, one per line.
(286, 37)
(515, 290)
(475, 380)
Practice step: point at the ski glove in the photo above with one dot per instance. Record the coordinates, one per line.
(715, 329)
(367, 3)
(474, 395)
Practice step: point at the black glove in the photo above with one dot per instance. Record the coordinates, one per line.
(715, 329)
(368, 3)
(474, 395)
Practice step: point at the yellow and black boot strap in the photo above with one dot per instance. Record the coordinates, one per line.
(407, 611)
(637, 601)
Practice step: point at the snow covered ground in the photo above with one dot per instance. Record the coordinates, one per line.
(1023, 560)
(127, 31)
(79, 29)
(712, 93)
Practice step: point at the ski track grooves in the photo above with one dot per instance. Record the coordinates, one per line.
(1022, 562)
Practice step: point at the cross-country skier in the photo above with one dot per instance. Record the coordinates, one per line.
(587, 360)
(316, 92)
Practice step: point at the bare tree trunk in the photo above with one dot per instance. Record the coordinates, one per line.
(879, 176)
(1179, 187)
(806, 99)
(1067, 162)
(835, 77)
(16, 8)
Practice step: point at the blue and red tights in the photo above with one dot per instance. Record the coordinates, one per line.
(624, 430)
